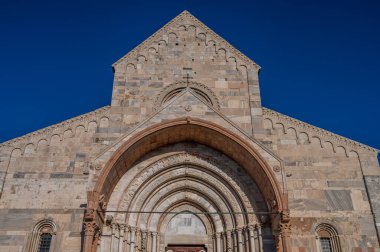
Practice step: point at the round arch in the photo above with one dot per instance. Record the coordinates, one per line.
(180, 130)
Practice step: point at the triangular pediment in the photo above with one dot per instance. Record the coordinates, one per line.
(190, 105)
(188, 23)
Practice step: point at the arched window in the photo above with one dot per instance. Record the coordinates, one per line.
(327, 238)
(41, 238)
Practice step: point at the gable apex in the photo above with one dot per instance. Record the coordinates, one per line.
(186, 19)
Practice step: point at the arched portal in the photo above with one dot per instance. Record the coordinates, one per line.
(155, 174)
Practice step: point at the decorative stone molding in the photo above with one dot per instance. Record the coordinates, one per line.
(42, 226)
(315, 131)
(57, 129)
(212, 98)
(182, 20)
(196, 159)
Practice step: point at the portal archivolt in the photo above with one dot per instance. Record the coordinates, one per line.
(191, 179)
(192, 166)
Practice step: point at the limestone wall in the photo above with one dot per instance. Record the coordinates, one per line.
(328, 178)
(45, 175)
(324, 178)
(185, 47)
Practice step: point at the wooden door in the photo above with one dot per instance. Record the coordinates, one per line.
(185, 249)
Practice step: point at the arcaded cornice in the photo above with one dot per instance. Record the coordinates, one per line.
(314, 131)
(58, 128)
(185, 18)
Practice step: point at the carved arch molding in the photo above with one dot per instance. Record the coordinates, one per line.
(186, 166)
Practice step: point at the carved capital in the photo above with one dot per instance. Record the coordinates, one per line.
(90, 228)
(285, 228)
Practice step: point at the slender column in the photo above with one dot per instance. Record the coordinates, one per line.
(246, 239)
(144, 237)
(154, 242)
(133, 238)
(121, 237)
(158, 243)
(240, 239)
(260, 235)
(114, 228)
(224, 242)
(149, 241)
(251, 235)
(214, 243)
(228, 241)
(127, 238)
(218, 242)
(138, 240)
(318, 243)
(235, 239)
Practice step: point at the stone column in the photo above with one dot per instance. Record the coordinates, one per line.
(127, 238)
(218, 242)
(228, 241)
(158, 243)
(113, 231)
(214, 243)
(235, 241)
(89, 232)
(138, 240)
(285, 229)
(260, 235)
(121, 237)
(251, 235)
(133, 238)
(144, 238)
(154, 242)
(240, 239)
(96, 241)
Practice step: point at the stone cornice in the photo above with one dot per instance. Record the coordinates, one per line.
(57, 128)
(185, 16)
(315, 131)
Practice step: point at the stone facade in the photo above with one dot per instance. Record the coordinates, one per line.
(186, 140)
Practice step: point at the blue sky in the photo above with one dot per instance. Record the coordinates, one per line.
(320, 59)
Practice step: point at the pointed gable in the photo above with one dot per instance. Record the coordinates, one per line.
(174, 30)
(185, 50)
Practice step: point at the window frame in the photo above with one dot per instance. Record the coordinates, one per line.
(44, 226)
(325, 231)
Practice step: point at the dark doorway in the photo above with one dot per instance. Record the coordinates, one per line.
(186, 248)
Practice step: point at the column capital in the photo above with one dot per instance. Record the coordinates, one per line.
(123, 227)
(90, 228)
(239, 229)
(251, 227)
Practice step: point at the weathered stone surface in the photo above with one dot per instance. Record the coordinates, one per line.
(187, 71)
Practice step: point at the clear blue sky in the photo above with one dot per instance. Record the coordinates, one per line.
(320, 59)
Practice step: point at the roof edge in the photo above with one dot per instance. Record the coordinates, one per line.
(318, 131)
(185, 13)
(56, 127)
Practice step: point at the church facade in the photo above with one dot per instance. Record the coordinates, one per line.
(186, 159)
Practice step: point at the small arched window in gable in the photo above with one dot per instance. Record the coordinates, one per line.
(328, 240)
